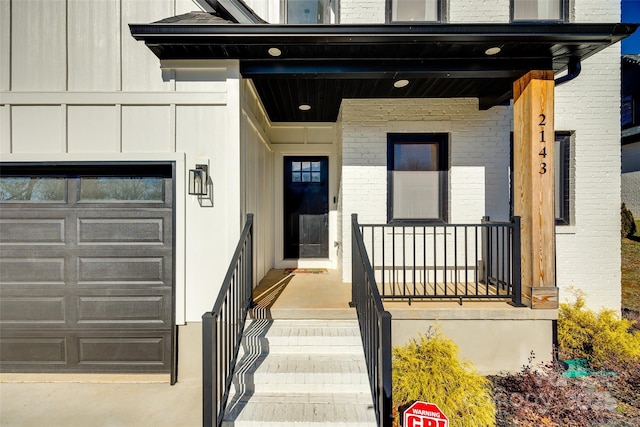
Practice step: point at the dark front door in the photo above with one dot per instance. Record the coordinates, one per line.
(306, 207)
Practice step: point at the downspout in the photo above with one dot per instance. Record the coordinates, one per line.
(573, 71)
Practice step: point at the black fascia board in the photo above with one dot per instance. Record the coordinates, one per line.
(374, 33)
(249, 42)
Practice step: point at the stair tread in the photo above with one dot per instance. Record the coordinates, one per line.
(318, 397)
(303, 362)
(292, 407)
(300, 372)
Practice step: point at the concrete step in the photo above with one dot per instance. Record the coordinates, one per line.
(301, 336)
(300, 373)
(310, 373)
(300, 409)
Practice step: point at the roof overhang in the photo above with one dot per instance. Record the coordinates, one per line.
(320, 65)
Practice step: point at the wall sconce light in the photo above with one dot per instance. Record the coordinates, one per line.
(199, 180)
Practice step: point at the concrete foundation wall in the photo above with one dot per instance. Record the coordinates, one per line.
(494, 340)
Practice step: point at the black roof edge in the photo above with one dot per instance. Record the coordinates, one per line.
(236, 10)
(438, 32)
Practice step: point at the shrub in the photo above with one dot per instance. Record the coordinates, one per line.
(428, 369)
(628, 228)
(603, 338)
(543, 397)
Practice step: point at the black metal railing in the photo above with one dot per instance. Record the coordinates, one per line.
(222, 329)
(375, 327)
(457, 261)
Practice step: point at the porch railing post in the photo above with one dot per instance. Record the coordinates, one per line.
(209, 412)
(485, 250)
(248, 288)
(354, 256)
(517, 262)
(386, 369)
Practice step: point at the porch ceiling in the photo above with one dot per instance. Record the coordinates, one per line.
(320, 65)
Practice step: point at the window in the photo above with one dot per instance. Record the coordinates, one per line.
(539, 10)
(415, 10)
(32, 189)
(562, 155)
(122, 189)
(417, 167)
(309, 11)
(306, 171)
(562, 177)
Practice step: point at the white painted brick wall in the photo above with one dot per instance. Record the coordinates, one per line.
(588, 251)
(479, 157)
(362, 11)
(482, 11)
(596, 11)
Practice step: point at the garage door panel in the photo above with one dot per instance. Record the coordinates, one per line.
(32, 231)
(122, 350)
(133, 311)
(121, 231)
(43, 350)
(114, 270)
(32, 271)
(33, 310)
(73, 351)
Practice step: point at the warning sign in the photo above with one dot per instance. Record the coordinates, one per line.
(423, 414)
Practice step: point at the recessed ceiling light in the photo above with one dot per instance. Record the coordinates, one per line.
(492, 51)
(400, 83)
(304, 107)
(274, 51)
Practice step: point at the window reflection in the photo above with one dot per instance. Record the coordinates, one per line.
(33, 189)
(119, 188)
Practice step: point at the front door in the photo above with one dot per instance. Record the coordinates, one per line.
(306, 207)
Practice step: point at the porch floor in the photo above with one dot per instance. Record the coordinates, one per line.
(303, 294)
(322, 295)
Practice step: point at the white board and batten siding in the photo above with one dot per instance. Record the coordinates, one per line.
(76, 86)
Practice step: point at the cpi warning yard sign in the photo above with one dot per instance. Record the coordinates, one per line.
(423, 414)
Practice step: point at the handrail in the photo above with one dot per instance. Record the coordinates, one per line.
(222, 329)
(375, 327)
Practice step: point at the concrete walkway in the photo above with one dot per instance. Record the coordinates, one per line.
(108, 400)
(112, 405)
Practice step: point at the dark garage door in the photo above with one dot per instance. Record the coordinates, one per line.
(86, 268)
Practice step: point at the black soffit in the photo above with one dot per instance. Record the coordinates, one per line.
(320, 65)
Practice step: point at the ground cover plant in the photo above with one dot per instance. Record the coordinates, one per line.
(610, 396)
(542, 396)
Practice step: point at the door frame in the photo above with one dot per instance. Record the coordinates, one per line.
(311, 203)
(323, 150)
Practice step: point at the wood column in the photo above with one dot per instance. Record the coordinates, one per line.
(533, 143)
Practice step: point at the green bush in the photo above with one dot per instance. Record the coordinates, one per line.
(628, 224)
(603, 338)
(429, 370)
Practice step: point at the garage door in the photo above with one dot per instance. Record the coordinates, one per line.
(86, 268)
